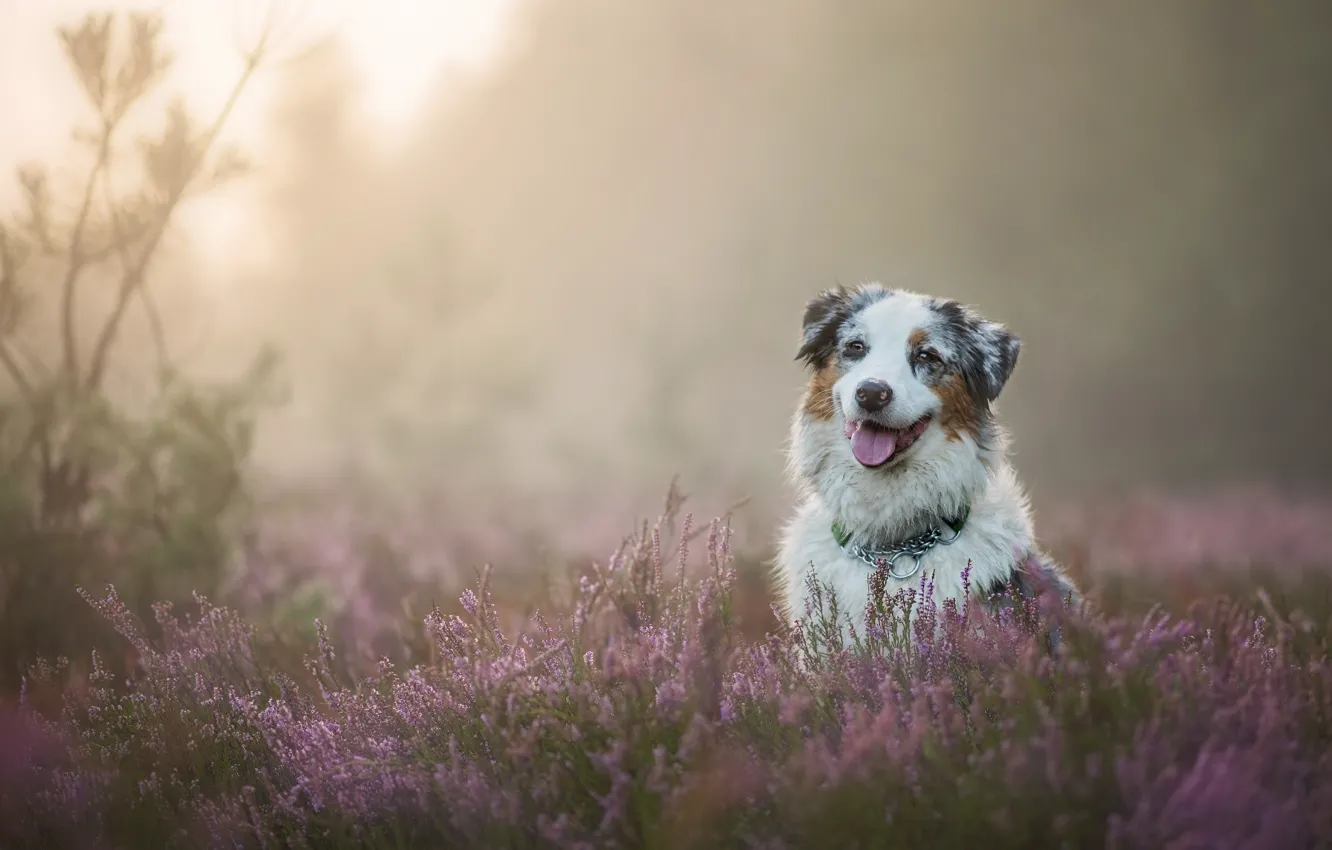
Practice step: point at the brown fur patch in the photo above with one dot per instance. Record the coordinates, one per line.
(959, 414)
(819, 395)
(917, 339)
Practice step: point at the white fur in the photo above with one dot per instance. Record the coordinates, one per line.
(933, 479)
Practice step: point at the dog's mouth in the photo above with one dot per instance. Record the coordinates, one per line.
(873, 444)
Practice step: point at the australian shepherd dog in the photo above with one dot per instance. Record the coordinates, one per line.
(901, 466)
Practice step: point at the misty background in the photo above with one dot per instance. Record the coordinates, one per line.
(578, 268)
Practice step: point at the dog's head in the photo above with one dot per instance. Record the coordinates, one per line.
(899, 378)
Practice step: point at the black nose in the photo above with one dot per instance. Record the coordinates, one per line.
(873, 396)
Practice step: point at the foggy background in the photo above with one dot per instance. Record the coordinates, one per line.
(569, 271)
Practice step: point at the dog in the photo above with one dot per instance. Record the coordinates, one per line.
(899, 461)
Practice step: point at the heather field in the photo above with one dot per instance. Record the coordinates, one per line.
(658, 704)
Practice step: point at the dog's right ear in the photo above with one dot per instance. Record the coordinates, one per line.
(823, 315)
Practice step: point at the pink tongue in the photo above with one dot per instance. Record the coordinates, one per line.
(872, 446)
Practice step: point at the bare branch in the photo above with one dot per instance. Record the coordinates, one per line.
(113, 94)
(88, 49)
(270, 28)
(31, 362)
(274, 29)
(8, 291)
(37, 199)
(134, 277)
(77, 261)
(8, 267)
(121, 242)
(17, 374)
(146, 64)
(155, 327)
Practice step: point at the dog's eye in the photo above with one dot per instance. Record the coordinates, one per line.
(927, 355)
(854, 348)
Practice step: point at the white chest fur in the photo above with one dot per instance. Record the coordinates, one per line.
(997, 533)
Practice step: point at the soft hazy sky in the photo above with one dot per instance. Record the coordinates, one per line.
(399, 47)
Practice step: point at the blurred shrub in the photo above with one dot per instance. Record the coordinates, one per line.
(1250, 543)
(96, 488)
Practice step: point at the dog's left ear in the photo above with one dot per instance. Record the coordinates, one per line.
(823, 315)
(999, 348)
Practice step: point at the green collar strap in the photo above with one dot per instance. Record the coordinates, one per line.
(842, 535)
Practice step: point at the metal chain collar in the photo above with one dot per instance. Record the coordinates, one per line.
(916, 547)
